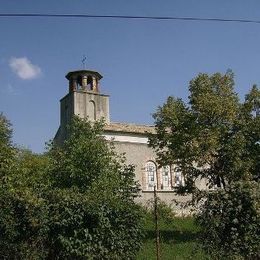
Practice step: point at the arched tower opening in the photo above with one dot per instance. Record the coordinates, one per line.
(84, 80)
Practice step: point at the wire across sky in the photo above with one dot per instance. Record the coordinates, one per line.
(207, 19)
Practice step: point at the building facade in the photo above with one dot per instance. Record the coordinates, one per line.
(85, 100)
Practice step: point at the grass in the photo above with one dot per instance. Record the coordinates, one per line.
(178, 239)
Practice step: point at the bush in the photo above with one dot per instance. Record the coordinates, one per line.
(92, 199)
(165, 211)
(75, 202)
(230, 221)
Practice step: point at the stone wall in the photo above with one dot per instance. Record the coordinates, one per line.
(138, 154)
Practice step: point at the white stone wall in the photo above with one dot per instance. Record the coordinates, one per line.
(83, 106)
(137, 152)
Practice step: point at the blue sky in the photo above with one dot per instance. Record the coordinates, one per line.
(142, 61)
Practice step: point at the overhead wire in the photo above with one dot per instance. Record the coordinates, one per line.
(10, 15)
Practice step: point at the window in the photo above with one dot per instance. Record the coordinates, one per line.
(92, 110)
(166, 178)
(178, 177)
(151, 178)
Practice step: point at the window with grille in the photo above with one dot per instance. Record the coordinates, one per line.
(166, 178)
(151, 178)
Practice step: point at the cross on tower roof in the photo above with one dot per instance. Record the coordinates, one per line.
(84, 61)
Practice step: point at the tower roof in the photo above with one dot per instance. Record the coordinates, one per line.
(82, 72)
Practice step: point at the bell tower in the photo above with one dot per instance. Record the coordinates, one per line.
(84, 100)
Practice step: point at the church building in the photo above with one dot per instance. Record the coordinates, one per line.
(84, 99)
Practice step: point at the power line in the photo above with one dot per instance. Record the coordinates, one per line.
(129, 17)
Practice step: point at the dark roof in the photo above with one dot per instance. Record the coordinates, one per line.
(129, 128)
(80, 72)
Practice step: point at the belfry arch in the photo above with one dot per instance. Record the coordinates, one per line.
(84, 80)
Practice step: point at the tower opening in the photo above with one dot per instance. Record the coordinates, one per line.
(79, 82)
(84, 80)
(89, 83)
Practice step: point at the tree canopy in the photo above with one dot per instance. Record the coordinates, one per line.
(92, 202)
(216, 138)
(74, 202)
(6, 150)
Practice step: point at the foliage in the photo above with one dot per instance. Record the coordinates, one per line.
(5, 130)
(164, 211)
(92, 200)
(23, 225)
(75, 202)
(214, 138)
(24, 213)
(7, 152)
(234, 226)
(178, 238)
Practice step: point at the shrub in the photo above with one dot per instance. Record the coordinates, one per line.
(230, 221)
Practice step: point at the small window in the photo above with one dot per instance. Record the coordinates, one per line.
(166, 178)
(178, 177)
(92, 111)
(151, 178)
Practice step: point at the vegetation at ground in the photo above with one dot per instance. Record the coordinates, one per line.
(178, 236)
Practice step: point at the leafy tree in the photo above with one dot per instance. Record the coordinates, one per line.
(215, 137)
(251, 126)
(231, 221)
(24, 211)
(75, 202)
(7, 152)
(92, 199)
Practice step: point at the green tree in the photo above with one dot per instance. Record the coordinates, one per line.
(230, 221)
(215, 137)
(93, 213)
(24, 211)
(74, 202)
(7, 152)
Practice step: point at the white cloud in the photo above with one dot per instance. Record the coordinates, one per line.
(24, 68)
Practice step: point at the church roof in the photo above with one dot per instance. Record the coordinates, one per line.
(129, 128)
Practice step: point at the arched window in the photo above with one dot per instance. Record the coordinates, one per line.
(90, 83)
(178, 179)
(151, 178)
(165, 177)
(79, 82)
(92, 111)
